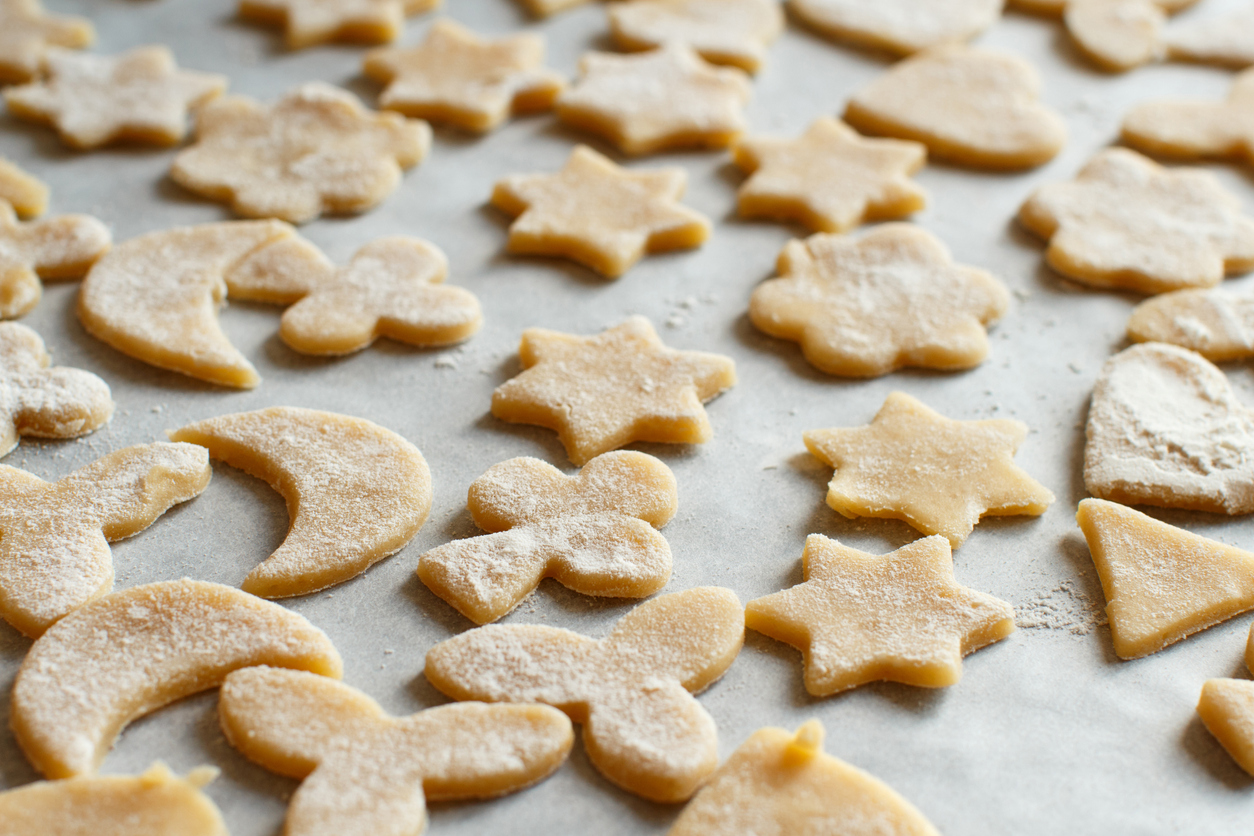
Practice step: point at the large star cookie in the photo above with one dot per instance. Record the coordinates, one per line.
(1215, 324)
(623, 385)
(26, 32)
(735, 32)
(1197, 129)
(309, 22)
(60, 247)
(900, 26)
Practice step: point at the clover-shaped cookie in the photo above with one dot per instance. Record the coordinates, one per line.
(26, 32)
(593, 533)
(1226, 708)
(60, 247)
(1217, 325)
(641, 727)
(26, 194)
(1197, 129)
(900, 26)
(309, 22)
(735, 32)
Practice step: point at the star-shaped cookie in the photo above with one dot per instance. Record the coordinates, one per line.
(653, 101)
(623, 385)
(900, 26)
(598, 213)
(60, 247)
(26, 31)
(735, 32)
(937, 474)
(140, 96)
(1197, 129)
(861, 617)
(309, 22)
(830, 178)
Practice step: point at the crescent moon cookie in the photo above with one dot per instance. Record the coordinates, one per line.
(900, 26)
(310, 22)
(138, 650)
(734, 32)
(26, 32)
(355, 491)
(57, 248)
(604, 392)
(28, 195)
(54, 537)
(969, 106)
(1226, 708)
(363, 771)
(1197, 129)
(642, 727)
(1215, 324)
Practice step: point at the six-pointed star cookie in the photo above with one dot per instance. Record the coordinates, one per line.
(599, 214)
(26, 32)
(91, 100)
(939, 475)
(1197, 129)
(900, 26)
(735, 32)
(653, 101)
(310, 22)
(60, 247)
(623, 385)
(861, 617)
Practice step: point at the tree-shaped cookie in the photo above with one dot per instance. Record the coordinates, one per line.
(92, 100)
(865, 307)
(598, 213)
(26, 32)
(937, 474)
(603, 392)
(1226, 708)
(60, 247)
(26, 194)
(309, 22)
(592, 532)
(641, 727)
(1197, 129)
(1215, 324)
(365, 772)
(472, 83)
(1127, 222)
(900, 26)
(54, 536)
(315, 150)
(735, 32)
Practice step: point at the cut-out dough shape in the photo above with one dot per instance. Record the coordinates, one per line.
(1117, 34)
(1126, 222)
(900, 26)
(937, 474)
(54, 536)
(782, 784)
(892, 298)
(1165, 428)
(365, 772)
(137, 650)
(1162, 583)
(598, 213)
(456, 77)
(734, 32)
(1227, 40)
(1217, 325)
(43, 402)
(1197, 129)
(315, 150)
(156, 297)
(355, 491)
(92, 100)
(603, 392)
(659, 100)
(1226, 708)
(900, 617)
(310, 22)
(969, 106)
(592, 532)
(26, 32)
(830, 178)
(26, 194)
(56, 248)
(1056, 8)
(641, 727)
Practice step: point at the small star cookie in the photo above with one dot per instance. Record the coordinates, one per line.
(1126, 222)
(1227, 40)
(655, 101)
(26, 32)
(1217, 325)
(623, 385)
(310, 22)
(598, 213)
(900, 26)
(939, 475)
(56, 248)
(315, 150)
(735, 32)
(26, 194)
(1197, 129)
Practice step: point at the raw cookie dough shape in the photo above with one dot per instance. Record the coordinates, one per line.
(1227, 40)
(156, 297)
(969, 106)
(592, 532)
(734, 32)
(92, 100)
(26, 194)
(315, 150)
(1162, 583)
(54, 536)
(868, 306)
(1215, 324)
(1118, 34)
(900, 617)
(43, 402)
(642, 728)
(598, 213)
(1165, 428)
(365, 772)
(140, 649)
(900, 26)
(355, 491)
(310, 22)
(603, 392)
(456, 77)
(60, 247)
(1197, 129)
(937, 474)
(26, 32)
(663, 99)
(781, 784)
(1126, 222)
(1226, 708)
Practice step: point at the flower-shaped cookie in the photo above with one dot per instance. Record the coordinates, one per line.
(60, 247)
(1127, 222)
(315, 150)
(868, 306)
(1217, 325)
(1197, 129)
(735, 32)
(26, 32)
(26, 194)
(309, 22)
(900, 26)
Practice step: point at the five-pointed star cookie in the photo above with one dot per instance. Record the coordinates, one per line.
(1197, 129)
(599, 214)
(861, 617)
(657, 100)
(937, 474)
(472, 83)
(623, 385)
(900, 26)
(140, 95)
(26, 31)
(735, 32)
(310, 22)
(26, 194)
(61, 247)
(830, 178)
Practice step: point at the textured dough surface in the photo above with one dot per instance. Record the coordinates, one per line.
(900, 26)
(26, 32)
(310, 22)
(1215, 324)
(1226, 708)
(60, 247)
(734, 32)
(1197, 128)
(27, 194)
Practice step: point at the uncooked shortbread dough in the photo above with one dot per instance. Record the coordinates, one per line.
(900, 26)
(1226, 708)
(56, 248)
(734, 32)
(26, 33)
(1226, 40)
(1197, 129)
(27, 194)
(309, 22)
(1215, 324)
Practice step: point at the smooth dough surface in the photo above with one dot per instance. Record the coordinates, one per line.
(1215, 324)
(900, 26)
(1226, 708)
(60, 247)
(27, 194)
(26, 32)
(734, 32)
(1226, 40)
(1197, 128)
(310, 22)
(1117, 34)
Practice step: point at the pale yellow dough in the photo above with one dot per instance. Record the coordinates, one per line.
(1225, 40)
(1117, 34)
(604, 392)
(1226, 708)
(1197, 129)
(735, 32)
(900, 26)
(26, 194)
(1215, 324)
(641, 727)
(26, 32)
(355, 491)
(310, 22)
(60, 247)
(1057, 7)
